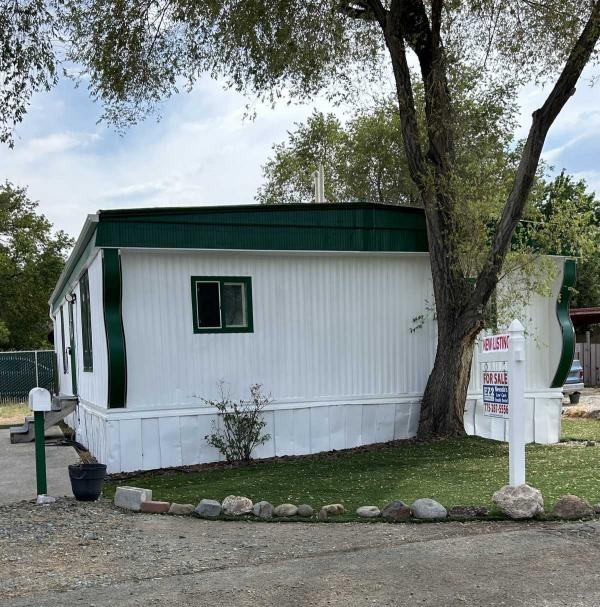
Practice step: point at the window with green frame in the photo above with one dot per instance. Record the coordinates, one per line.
(86, 322)
(222, 304)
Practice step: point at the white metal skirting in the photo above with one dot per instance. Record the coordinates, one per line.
(129, 440)
(542, 419)
(145, 440)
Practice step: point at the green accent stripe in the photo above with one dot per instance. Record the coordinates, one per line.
(309, 227)
(113, 322)
(566, 326)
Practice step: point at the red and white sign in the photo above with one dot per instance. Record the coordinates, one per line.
(495, 343)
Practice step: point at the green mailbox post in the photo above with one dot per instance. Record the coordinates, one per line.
(40, 401)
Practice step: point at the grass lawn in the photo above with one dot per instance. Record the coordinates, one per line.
(12, 414)
(461, 471)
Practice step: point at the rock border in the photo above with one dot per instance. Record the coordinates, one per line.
(422, 510)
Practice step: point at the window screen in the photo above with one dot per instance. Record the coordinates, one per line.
(86, 323)
(62, 342)
(222, 304)
(234, 304)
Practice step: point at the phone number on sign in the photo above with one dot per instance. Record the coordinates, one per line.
(496, 408)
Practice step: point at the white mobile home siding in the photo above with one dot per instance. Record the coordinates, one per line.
(332, 342)
(325, 327)
(91, 385)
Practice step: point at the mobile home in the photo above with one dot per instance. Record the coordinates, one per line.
(316, 302)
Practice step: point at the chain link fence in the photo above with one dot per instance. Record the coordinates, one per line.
(21, 371)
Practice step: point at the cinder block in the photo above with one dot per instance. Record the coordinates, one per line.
(132, 498)
(156, 507)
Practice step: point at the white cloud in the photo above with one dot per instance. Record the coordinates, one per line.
(202, 153)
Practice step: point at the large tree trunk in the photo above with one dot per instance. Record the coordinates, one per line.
(443, 402)
(459, 306)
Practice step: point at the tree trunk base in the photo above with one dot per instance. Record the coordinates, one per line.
(443, 404)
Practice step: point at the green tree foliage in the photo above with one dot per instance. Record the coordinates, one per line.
(363, 160)
(568, 223)
(27, 58)
(31, 260)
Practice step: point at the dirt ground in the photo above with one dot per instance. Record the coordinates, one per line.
(95, 555)
(588, 406)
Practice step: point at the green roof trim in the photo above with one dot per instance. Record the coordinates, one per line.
(297, 227)
(348, 226)
(566, 326)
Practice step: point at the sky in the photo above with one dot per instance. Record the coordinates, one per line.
(203, 151)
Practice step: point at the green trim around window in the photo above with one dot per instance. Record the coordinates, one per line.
(566, 326)
(113, 323)
(247, 281)
(86, 322)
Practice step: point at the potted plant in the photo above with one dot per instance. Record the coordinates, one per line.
(87, 480)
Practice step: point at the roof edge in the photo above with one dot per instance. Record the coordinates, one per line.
(89, 227)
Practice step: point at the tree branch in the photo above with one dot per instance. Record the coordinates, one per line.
(543, 118)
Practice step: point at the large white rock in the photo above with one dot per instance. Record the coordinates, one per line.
(131, 498)
(519, 502)
(368, 511)
(237, 505)
(428, 509)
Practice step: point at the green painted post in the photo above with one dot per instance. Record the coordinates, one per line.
(40, 453)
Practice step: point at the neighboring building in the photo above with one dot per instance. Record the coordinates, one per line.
(316, 302)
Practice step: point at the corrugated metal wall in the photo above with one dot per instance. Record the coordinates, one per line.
(325, 326)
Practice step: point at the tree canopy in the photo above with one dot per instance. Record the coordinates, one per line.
(31, 260)
(28, 61)
(134, 53)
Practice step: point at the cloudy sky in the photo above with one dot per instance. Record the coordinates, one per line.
(203, 152)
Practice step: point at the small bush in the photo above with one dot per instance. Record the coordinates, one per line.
(239, 426)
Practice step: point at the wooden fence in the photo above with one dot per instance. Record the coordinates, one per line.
(589, 355)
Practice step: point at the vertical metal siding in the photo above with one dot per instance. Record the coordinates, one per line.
(324, 327)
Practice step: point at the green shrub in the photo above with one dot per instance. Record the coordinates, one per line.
(239, 426)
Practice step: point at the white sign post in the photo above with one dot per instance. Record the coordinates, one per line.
(504, 392)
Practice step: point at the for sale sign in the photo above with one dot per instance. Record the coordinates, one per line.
(495, 394)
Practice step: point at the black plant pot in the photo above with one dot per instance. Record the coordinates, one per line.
(87, 481)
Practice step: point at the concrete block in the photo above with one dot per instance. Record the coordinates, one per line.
(155, 507)
(131, 498)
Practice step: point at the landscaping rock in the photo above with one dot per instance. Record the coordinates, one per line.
(572, 507)
(323, 516)
(368, 511)
(305, 510)
(284, 510)
(468, 512)
(519, 502)
(208, 509)
(396, 511)
(131, 498)
(263, 510)
(181, 509)
(428, 509)
(333, 509)
(597, 508)
(236, 505)
(44, 500)
(155, 507)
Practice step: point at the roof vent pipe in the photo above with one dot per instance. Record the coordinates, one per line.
(319, 184)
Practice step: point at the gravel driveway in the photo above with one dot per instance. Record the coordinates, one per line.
(72, 554)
